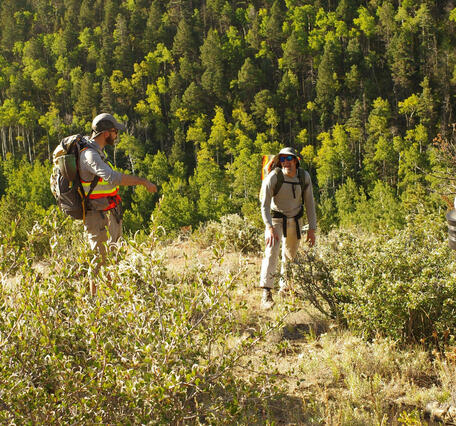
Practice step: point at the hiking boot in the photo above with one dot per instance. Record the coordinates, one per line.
(266, 301)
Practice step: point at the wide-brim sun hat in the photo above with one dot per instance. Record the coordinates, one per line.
(287, 151)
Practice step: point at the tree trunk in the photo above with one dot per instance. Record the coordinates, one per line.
(33, 145)
(10, 138)
(29, 147)
(132, 164)
(4, 150)
(20, 140)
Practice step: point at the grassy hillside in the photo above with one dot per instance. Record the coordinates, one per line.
(363, 91)
(176, 335)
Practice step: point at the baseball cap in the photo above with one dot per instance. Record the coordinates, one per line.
(104, 122)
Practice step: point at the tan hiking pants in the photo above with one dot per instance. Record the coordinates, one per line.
(290, 246)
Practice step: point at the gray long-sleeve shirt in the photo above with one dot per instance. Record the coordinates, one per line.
(287, 201)
(93, 162)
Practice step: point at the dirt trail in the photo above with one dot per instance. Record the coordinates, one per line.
(284, 344)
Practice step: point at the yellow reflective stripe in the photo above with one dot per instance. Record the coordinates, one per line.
(104, 191)
(102, 183)
(102, 187)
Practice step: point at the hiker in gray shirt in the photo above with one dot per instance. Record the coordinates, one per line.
(284, 191)
(103, 220)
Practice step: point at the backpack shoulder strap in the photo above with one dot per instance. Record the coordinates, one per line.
(83, 146)
(302, 176)
(93, 184)
(280, 178)
(303, 181)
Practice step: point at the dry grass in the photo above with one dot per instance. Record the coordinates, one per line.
(324, 375)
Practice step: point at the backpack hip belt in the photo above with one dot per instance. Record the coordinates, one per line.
(277, 215)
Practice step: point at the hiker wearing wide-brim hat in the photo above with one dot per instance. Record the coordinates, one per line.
(285, 190)
(103, 219)
(274, 161)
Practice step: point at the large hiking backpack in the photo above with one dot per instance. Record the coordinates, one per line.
(270, 166)
(65, 181)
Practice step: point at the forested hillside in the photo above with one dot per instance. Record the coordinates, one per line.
(360, 88)
(364, 90)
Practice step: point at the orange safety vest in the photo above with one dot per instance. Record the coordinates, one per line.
(103, 189)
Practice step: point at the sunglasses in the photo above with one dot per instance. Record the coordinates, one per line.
(287, 158)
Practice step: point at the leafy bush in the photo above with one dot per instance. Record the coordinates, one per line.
(176, 207)
(232, 232)
(28, 182)
(35, 234)
(252, 212)
(148, 349)
(403, 287)
(32, 233)
(18, 219)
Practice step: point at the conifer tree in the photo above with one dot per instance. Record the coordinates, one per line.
(249, 80)
(87, 101)
(184, 42)
(327, 83)
(154, 31)
(211, 187)
(123, 52)
(212, 79)
(380, 161)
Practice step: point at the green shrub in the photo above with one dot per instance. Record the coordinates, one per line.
(402, 287)
(18, 219)
(175, 209)
(35, 233)
(327, 212)
(147, 350)
(28, 182)
(252, 212)
(233, 232)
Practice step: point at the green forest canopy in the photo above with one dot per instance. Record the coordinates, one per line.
(360, 88)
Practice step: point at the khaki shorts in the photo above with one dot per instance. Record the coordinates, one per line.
(103, 228)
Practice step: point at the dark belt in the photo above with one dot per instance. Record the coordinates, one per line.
(278, 215)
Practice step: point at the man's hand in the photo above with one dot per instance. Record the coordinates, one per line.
(151, 187)
(130, 180)
(271, 236)
(311, 237)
